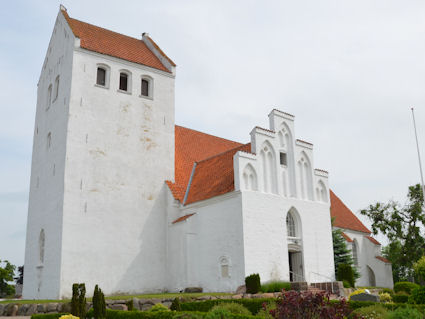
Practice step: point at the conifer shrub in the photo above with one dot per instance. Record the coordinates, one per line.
(252, 283)
(405, 286)
(175, 305)
(99, 304)
(345, 272)
(78, 301)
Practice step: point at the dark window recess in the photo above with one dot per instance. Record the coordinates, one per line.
(101, 77)
(283, 159)
(145, 87)
(123, 81)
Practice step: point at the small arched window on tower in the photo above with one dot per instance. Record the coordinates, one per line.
(49, 140)
(49, 96)
(147, 87)
(125, 81)
(41, 243)
(56, 88)
(101, 76)
(224, 267)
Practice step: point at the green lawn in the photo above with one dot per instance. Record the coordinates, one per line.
(124, 297)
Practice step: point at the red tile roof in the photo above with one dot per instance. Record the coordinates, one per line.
(346, 237)
(385, 260)
(192, 146)
(373, 240)
(344, 217)
(180, 219)
(214, 176)
(114, 44)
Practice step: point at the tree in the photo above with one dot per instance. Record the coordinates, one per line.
(342, 255)
(419, 268)
(99, 305)
(20, 279)
(6, 276)
(403, 226)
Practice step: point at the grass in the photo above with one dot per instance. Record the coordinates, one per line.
(121, 297)
(275, 286)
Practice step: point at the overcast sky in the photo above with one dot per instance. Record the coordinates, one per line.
(349, 70)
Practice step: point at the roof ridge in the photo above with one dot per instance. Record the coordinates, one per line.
(222, 138)
(222, 153)
(91, 24)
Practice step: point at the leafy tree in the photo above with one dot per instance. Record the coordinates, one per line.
(6, 275)
(342, 255)
(20, 279)
(419, 268)
(403, 225)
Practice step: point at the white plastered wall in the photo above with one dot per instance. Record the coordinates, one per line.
(366, 254)
(42, 279)
(199, 244)
(265, 208)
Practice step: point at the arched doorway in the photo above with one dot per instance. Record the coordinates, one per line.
(371, 275)
(294, 240)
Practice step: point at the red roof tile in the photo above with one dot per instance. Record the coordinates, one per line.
(346, 237)
(385, 260)
(373, 240)
(344, 217)
(114, 44)
(180, 219)
(192, 146)
(214, 176)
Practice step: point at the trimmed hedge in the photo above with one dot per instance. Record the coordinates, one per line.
(252, 283)
(405, 286)
(390, 306)
(401, 297)
(253, 305)
(48, 315)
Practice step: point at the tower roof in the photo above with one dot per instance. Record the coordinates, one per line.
(115, 44)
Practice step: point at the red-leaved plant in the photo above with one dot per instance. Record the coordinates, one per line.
(307, 305)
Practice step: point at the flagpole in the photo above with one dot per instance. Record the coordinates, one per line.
(419, 154)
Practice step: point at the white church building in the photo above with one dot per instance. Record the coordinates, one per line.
(122, 197)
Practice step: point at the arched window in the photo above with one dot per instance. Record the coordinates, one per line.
(321, 192)
(286, 159)
(49, 140)
(355, 253)
(269, 168)
(41, 243)
(56, 88)
(306, 177)
(224, 267)
(101, 76)
(250, 178)
(49, 96)
(290, 226)
(147, 86)
(125, 81)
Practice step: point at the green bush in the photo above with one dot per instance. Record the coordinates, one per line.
(405, 286)
(233, 307)
(405, 313)
(388, 291)
(252, 283)
(345, 272)
(417, 296)
(219, 313)
(120, 314)
(253, 305)
(159, 307)
(275, 286)
(346, 284)
(401, 297)
(370, 312)
(419, 268)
